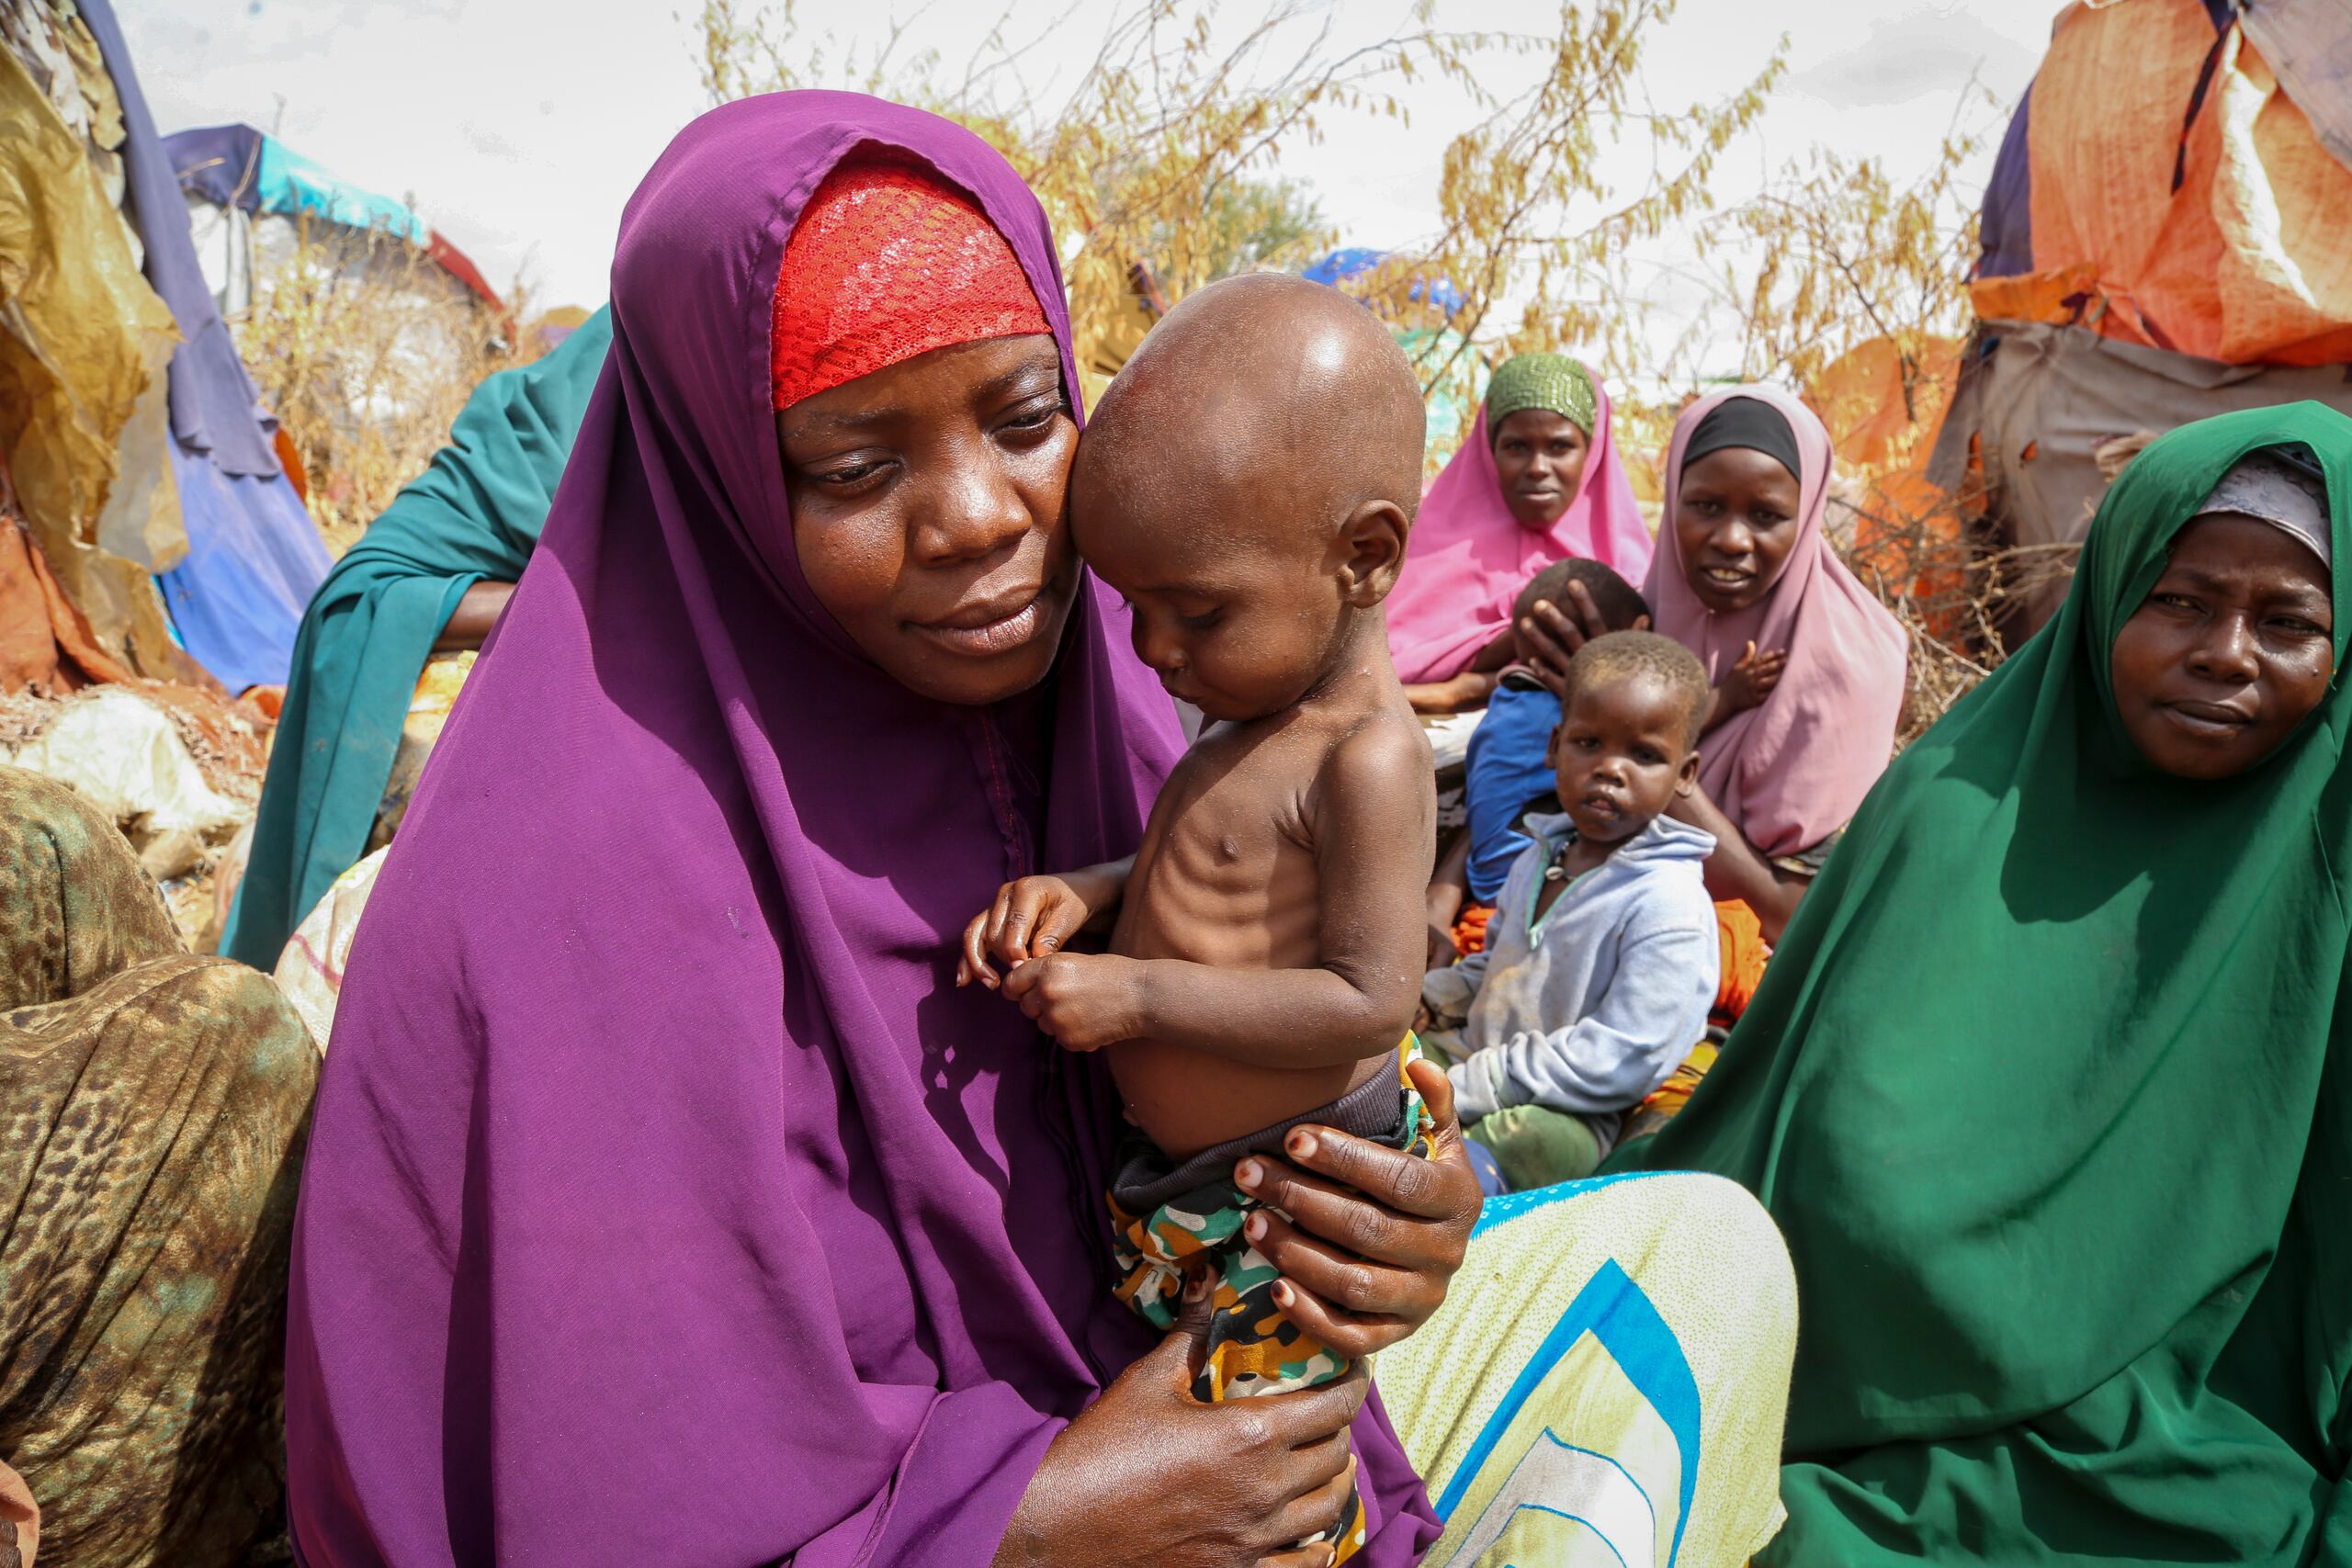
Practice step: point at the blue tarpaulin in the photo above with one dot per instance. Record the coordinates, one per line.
(235, 166)
(255, 557)
(1355, 260)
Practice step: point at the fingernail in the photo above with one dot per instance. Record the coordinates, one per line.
(1303, 1144)
(1282, 1297)
(1255, 1227)
(1249, 1174)
(1196, 1285)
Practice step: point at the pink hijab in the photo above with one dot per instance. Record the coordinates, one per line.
(1469, 556)
(1789, 771)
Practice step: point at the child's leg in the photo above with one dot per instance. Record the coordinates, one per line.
(1163, 1235)
(1536, 1146)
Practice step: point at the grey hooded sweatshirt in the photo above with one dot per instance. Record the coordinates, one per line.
(1590, 1010)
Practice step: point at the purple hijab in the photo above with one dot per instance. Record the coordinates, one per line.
(665, 1202)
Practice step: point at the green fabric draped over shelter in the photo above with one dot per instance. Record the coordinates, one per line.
(2050, 1090)
(474, 515)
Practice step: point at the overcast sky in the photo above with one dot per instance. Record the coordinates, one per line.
(519, 127)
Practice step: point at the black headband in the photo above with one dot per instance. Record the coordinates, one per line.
(1745, 422)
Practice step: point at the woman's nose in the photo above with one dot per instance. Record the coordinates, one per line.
(1734, 538)
(2227, 650)
(971, 511)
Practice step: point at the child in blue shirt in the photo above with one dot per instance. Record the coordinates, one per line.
(1509, 768)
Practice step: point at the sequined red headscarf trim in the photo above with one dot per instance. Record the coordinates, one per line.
(889, 261)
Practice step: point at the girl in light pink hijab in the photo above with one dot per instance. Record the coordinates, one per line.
(1479, 539)
(1807, 665)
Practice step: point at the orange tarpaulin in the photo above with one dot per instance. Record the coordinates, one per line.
(1882, 401)
(2246, 261)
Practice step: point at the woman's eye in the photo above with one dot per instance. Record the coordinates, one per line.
(2174, 600)
(1036, 417)
(2295, 625)
(848, 476)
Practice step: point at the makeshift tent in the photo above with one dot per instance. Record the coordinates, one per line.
(237, 179)
(88, 499)
(2163, 239)
(253, 558)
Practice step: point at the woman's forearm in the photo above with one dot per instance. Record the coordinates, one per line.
(477, 611)
(1468, 690)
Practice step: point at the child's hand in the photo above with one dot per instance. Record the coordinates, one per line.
(1752, 679)
(1030, 918)
(1085, 1000)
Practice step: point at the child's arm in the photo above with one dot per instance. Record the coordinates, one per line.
(1036, 915)
(1653, 1013)
(1374, 818)
(1751, 680)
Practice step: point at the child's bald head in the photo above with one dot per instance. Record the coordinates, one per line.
(1261, 385)
(1262, 451)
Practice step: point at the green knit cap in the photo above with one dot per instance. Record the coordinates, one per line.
(1550, 381)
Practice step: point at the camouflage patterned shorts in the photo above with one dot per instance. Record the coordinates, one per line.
(1174, 1220)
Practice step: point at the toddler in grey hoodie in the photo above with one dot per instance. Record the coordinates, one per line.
(1602, 958)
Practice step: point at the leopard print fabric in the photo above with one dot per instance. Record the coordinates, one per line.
(153, 1108)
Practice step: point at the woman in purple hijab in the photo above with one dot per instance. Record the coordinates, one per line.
(666, 1202)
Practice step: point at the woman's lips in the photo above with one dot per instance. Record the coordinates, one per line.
(995, 627)
(1726, 577)
(2211, 718)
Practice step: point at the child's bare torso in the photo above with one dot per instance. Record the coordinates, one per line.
(1227, 877)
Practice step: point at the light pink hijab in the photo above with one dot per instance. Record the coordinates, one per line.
(1789, 771)
(1469, 556)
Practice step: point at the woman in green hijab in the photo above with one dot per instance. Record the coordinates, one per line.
(2049, 1086)
(433, 571)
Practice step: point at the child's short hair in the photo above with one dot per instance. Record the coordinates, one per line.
(1620, 655)
(1619, 603)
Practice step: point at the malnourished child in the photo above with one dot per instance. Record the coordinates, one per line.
(1602, 958)
(1248, 484)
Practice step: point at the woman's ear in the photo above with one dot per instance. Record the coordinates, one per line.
(1372, 552)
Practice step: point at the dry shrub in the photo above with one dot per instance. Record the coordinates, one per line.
(1950, 583)
(1165, 149)
(365, 349)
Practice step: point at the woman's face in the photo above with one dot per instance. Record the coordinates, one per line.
(1539, 457)
(2231, 650)
(1735, 519)
(927, 512)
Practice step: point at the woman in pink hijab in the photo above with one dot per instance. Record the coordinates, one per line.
(1538, 480)
(1807, 665)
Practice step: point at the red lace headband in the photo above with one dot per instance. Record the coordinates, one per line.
(888, 261)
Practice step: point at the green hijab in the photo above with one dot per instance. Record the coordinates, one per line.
(1552, 381)
(2047, 1089)
(473, 516)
